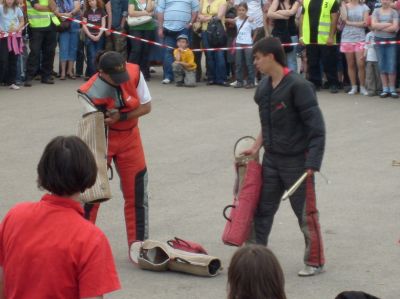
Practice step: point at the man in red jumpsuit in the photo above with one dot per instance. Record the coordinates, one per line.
(119, 89)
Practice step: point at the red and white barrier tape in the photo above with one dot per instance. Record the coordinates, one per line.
(6, 34)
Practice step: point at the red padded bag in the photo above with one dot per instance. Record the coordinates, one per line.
(184, 245)
(239, 222)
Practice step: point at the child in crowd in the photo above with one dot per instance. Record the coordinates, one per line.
(11, 22)
(385, 22)
(255, 272)
(244, 26)
(373, 82)
(94, 14)
(184, 66)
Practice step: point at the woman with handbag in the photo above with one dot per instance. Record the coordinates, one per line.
(69, 36)
(283, 12)
(141, 24)
(215, 60)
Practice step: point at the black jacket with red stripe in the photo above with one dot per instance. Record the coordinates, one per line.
(291, 120)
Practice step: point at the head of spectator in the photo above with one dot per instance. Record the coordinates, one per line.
(355, 295)
(10, 4)
(182, 41)
(242, 9)
(254, 272)
(112, 68)
(93, 4)
(67, 167)
(268, 54)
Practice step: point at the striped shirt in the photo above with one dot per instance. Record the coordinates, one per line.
(177, 13)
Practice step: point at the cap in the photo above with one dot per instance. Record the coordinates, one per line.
(113, 64)
(182, 36)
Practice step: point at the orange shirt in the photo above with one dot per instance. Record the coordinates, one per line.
(48, 250)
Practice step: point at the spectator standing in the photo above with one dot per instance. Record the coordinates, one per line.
(140, 51)
(244, 26)
(94, 14)
(254, 272)
(354, 14)
(215, 60)
(11, 22)
(317, 32)
(385, 22)
(373, 82)
(119, 12)
(66, 257)
(256, 13)
(42, 40)
(184, 66)
(283, 12)
(174, 18)
(68, 40)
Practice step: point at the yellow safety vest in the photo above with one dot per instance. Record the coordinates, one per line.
(324, 22)
(41, 19)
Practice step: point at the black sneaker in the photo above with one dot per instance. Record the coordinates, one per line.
(28, 83)
(179, 84)
(47, 81)
(383, 94)
(333, 89)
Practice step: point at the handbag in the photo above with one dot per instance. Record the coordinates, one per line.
(92, 131)
(135, 21)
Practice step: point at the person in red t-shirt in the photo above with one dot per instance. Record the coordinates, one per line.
(47, 248)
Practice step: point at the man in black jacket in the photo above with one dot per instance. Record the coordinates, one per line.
(293, 137)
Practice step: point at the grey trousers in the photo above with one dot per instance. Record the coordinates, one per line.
(183, 75)
(373, 82)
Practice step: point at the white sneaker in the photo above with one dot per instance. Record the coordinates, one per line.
(14, 86)
(166, 81)
(363, 91)
(234, 84)
(353, 91)
(311, 271)
(255, 82)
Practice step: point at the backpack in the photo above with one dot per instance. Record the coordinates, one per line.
(216, 34)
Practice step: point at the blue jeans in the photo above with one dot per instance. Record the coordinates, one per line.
(92, 48)
(170, 40)
(118, 8)
(386, 55)
(68, 42)
(215, 60)
(246, 56)
(291, 57)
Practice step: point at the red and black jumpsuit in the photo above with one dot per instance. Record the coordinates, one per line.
(125, 149)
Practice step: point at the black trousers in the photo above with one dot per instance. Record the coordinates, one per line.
(42, 44)
(8, 63)
(139, 51)
(327, 55)
(279, 174)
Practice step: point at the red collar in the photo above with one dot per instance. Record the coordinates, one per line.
(63, 202)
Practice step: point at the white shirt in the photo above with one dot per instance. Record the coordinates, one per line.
(143, 91)
(244, 35)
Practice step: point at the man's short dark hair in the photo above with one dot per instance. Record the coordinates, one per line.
(67, 166)
(271, 45)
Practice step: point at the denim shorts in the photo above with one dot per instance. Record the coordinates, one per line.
(386, 55)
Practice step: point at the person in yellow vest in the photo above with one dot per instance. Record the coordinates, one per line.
(318, 33)
(42, 18)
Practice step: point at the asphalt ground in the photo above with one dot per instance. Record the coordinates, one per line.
(188, 140)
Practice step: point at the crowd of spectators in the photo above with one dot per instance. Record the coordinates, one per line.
(334, 49)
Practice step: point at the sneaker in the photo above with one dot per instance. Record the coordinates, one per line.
(152, 70)
(237, 85)
(333, 89)
(28, 83)
(179, 83)
(166, 81)
(234, 83)
(394, 95)
(14, 86)
(352, 91)
(383, 94)
(249, 86)
(363, 91)
(310, 271)
(255, 82)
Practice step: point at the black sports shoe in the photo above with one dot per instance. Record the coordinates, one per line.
(333, 89)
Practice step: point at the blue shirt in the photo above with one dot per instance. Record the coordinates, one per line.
(177, 13)
(9, 19)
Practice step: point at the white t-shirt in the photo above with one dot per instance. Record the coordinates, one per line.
(254, 11)
(143, 90)
(244, 35)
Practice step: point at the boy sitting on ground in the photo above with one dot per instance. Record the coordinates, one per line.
(184, 66)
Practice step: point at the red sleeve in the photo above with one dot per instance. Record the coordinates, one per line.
(1, 244)
(97, 274)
